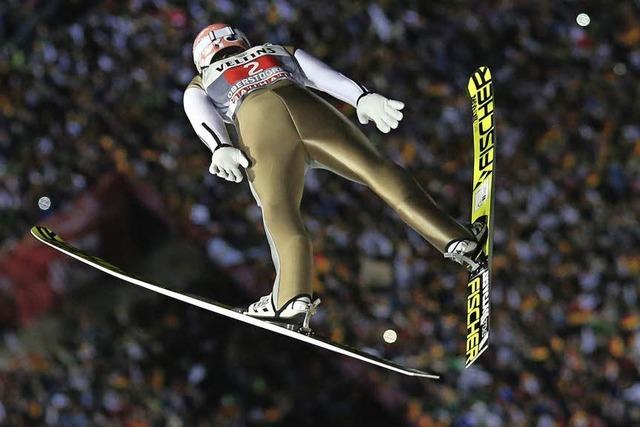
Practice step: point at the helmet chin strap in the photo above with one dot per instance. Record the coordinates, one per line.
(226, 52)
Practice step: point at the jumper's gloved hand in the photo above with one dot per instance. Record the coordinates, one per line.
(226, 162)
(384, 112)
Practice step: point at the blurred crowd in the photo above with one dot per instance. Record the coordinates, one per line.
(90, 87)
(122, 362)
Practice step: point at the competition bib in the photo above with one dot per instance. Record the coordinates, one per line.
(227, 81)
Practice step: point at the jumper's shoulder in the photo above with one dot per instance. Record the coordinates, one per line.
(290, 49)
(196, 83)
(193, 95)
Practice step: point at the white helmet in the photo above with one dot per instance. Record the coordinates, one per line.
(212, 40)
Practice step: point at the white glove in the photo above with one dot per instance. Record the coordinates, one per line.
(384, 112)
(225, 162)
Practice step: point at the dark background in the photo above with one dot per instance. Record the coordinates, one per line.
(91, 117)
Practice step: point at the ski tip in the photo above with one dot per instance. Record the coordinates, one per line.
(46, 235)
(479, 79)
(482, 70)
(482, 73)
(36, 230)
(40, 232)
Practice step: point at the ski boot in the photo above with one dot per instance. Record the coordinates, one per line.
(294, 315)
(466, 252)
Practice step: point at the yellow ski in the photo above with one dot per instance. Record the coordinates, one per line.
(480, 89)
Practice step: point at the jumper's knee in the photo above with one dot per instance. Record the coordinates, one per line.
(298, 244)
(392, 183)
(284, 224)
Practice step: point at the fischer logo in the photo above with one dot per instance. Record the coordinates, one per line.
(478, 306)
(482, 111)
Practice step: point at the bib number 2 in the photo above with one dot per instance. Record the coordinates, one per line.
(253, 66)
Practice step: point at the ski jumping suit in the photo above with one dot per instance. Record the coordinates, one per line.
(284, 129)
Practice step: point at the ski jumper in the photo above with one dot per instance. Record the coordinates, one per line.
(284, 129)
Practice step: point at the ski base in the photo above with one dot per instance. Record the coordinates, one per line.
(50, 238)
